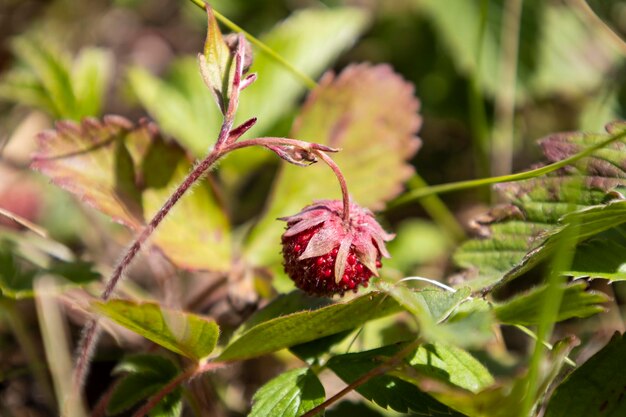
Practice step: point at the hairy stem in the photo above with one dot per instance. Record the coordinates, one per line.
(90, 334)
(379, 370)
(342, 183)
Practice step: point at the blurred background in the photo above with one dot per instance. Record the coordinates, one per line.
(492, 76)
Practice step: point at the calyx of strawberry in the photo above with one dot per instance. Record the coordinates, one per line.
(326, 253)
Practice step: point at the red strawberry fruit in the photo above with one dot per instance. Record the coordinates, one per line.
(326, 255)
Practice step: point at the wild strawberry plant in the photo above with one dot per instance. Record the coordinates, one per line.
(220, 297)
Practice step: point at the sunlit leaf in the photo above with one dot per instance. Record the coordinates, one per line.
(499, 399)
(216, 63)
(304, 326)
(596, 388)
(444, 316)
(291, 394)
(371, 114)
(449, 364)
(542, 210)
(526, 308)
(128, 172)
(187, 334)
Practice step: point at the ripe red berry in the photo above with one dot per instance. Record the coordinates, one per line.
(324, 255)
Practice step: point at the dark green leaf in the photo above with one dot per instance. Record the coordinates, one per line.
(146, 364)
(525, 309)
(147, 374)
(304, 326)
(596, 388)
(350, 408)
(386, 391)
(309, 351)
(188, 334)
(23, 262)
(290, 394)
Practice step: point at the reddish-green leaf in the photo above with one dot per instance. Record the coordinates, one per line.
(517, 238)
(128, 172)
(371, 114)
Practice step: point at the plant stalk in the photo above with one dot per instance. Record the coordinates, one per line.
(342, 183)
(379, 370)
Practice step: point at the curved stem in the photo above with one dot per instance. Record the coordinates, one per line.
(379, 370)
(463, 185)
(191, 372)
(91, 328)
(315, 148)
(342, 183)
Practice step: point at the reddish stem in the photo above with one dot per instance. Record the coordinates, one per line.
(379, 370)
(90, 333)
(190, 373)
(342, 183)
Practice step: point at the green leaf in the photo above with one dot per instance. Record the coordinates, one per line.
(181, 104)
(51, 67)
(595, 388)
(187, 334)
(449, 364)
(431, 304)
(417, 242)
(500, 399)
(385, 390)
(128, 172)
(451, 317)
(145, 363)
(525, 309)
(527, 230)
(283, 305)
(22, 262)
(46, 78)
(551, 59)
(215, 64)
(91, 73)
(371, 114)
(147, 374)
(304, 326)
(290, 394)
